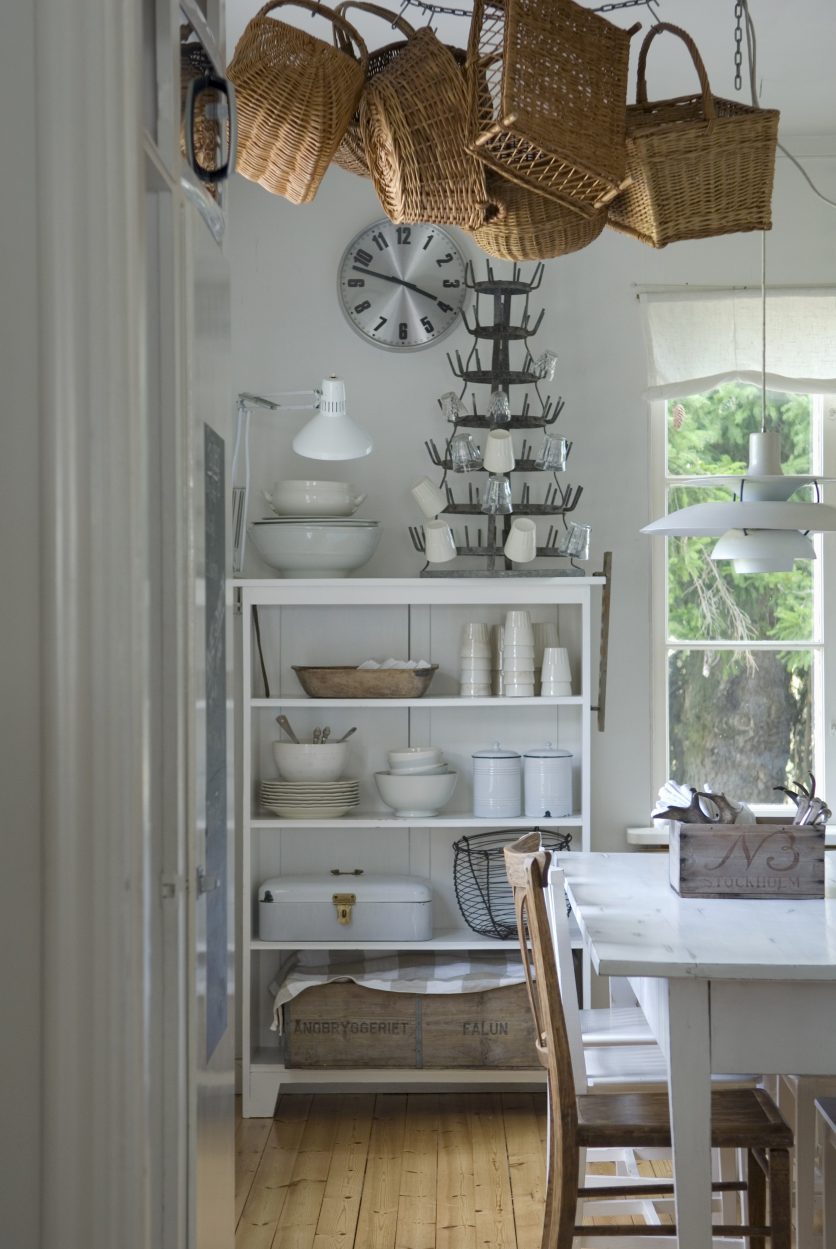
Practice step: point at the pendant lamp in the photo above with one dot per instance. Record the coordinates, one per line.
(761, 529)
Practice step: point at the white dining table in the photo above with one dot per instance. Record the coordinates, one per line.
(727, 985)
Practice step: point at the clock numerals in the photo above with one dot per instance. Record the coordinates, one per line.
(363, 306)
(404, 235)
(429, 240)
(446, 259)
(427, 324)
(362, 257)
(403, 331)
(451, 283)
(442, 307)
(382, 321)
(356, 282)
(380, 241)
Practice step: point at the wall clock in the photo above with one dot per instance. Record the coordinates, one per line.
(402, 287)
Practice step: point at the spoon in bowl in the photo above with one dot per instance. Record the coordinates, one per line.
(345, 736)
(284, 723)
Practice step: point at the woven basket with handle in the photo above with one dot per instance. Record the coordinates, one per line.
(351, 154)
(547, 96)
(413, 119)
(296, 97)
(528, 226)
(699, 165)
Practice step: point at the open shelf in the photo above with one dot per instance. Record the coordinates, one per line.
(377, 819)
(426, 703)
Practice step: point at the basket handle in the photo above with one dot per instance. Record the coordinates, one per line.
(709, 110)
(394, 19)
(348, 32)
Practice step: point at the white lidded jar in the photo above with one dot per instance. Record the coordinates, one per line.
(497, 774)
(547, 782)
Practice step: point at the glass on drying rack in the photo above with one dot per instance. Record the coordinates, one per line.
(465, 456)
(574, 541)
(544, 366)
(451, 406)
(553, 454)
(499, 408)
(496, 499)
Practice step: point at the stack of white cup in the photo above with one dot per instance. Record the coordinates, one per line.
(475, 660)
(518, 655)
(557, 675)
(545, 634)
(497, 682)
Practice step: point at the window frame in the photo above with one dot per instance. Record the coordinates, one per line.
(824, 608)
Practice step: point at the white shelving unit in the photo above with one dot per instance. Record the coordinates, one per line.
(317, 622)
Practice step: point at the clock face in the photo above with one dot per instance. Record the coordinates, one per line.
(402, 287)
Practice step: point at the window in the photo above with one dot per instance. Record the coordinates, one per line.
(738, 659)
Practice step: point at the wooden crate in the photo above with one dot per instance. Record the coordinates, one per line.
(347, 1025)
(761, 860)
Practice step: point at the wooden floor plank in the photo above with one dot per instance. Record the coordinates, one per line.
(416, 1225)
(378, 1219)
(344, 1185)
(250, 1140)
(300, 1213)
(527, 1166)
(494, 1213)
(455, 1189)
(269, 1189)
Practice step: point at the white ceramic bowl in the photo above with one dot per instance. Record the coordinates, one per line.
(313, 498)
(315, 548)
(414, 756)
(423, 795)
(307, 762)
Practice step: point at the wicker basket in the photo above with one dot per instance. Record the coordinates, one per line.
(547, 97)
(351, 154)
(296, 97)
(700, 165)
(413, 119)
(528, 226)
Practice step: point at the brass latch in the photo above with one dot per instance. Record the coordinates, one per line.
(344, 902)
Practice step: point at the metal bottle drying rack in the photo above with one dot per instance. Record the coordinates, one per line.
(558, 500)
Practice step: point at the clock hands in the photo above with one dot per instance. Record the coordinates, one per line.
(386, 277)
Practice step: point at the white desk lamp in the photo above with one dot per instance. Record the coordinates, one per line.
(330, 435)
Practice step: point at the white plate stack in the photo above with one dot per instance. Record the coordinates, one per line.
(475, 660)
(310, 800)
(497, 783)
(518, 655)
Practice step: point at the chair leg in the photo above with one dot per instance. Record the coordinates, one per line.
(756, 1200)
(804, 1166)
(779, 1199)
(727, 1169)
(829, 1180)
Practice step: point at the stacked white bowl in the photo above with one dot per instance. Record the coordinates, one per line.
(545, 634)
(557, 675)
(518, 655)
(418, 783)
(475, 660)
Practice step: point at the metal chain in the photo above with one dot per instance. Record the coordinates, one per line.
(738, 45)
(427, 6)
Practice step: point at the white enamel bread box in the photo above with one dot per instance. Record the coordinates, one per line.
(344, 907)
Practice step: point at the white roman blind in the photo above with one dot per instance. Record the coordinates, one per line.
(696, 339)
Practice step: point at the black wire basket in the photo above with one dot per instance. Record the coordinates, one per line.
(482, 890)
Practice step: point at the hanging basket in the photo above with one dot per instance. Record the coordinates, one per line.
(699, 165)
(547, 86)
(296, 97)
(413, 119)
(351, 154)
(528, 226)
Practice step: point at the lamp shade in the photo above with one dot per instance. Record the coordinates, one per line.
(332, 434)
(705, 520)
(763, 550)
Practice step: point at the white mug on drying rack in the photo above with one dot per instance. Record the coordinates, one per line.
(521, 543)
(439, 542)
(429, 498)
(499, 451)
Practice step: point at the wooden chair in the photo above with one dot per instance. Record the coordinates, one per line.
(741, 1118)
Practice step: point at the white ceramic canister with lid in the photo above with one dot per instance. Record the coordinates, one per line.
(547, 782)
(497, 774)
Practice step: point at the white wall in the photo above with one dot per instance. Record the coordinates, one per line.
(288, 331)
(20, 883)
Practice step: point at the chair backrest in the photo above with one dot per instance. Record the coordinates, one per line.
(562, 944)
(527, 866)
